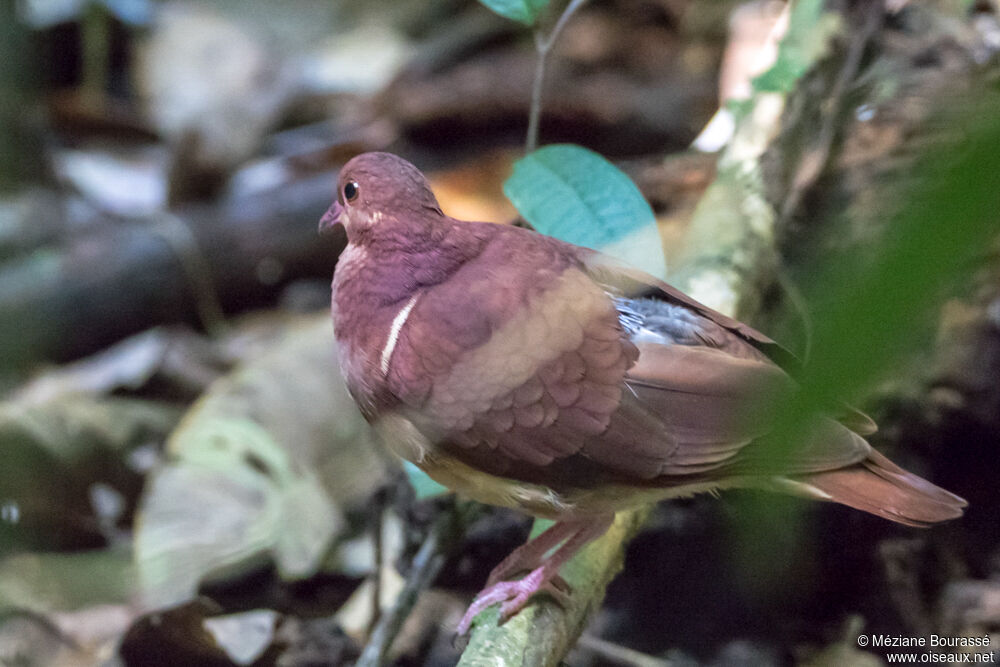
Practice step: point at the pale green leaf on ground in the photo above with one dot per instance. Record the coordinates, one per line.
(260, 469)
(201, 523)
(574, 194)
(32, 640)
(299, 551)
(522, 11)
(73, 429)
(57, 453)
(48, 582)
(129, 363)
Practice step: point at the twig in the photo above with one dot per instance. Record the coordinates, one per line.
(618, 654)
(813, 163)
(535, 112)
(543, 45)
(196, 269)
(801, 307)
(443, 535)
(379, 526)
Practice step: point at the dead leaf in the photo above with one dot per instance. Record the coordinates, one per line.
(260, 469)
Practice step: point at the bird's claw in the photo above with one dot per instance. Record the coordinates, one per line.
(513, 596)
(559, 584)
(558, 592)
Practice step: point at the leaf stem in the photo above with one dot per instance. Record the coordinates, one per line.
(543, 45)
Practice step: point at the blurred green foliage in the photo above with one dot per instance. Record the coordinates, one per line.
(873, 310)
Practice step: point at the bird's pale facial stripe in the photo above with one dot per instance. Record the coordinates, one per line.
(397, 326)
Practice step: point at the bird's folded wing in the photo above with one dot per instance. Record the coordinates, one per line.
(626, 281)
(742, 339)
(719, 411)
(680, 415)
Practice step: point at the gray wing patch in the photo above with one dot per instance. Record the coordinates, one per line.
(649, 320)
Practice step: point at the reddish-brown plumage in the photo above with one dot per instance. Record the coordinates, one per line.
(527, 372)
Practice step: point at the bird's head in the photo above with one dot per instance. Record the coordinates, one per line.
(376, 188)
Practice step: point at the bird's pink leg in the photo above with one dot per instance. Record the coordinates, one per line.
(529, 555)
(514, 595)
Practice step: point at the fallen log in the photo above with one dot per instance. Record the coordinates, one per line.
(196, 264)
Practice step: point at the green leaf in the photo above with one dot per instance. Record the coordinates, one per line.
(522, 11)
(574, 194)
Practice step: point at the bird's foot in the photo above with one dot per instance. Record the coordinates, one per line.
(543, 576)
(498, 578)
(513, 596)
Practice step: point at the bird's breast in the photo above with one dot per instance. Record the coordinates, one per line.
(367, 319)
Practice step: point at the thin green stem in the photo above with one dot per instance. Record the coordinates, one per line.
(543, 45)
(563, 20)
(535, 114)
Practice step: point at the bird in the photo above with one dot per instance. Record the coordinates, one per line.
(522, 371)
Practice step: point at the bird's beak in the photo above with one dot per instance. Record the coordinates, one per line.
(331, 218)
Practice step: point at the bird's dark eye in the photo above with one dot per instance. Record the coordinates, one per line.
(351, 191)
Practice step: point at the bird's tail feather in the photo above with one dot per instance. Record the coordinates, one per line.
(880, 487)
